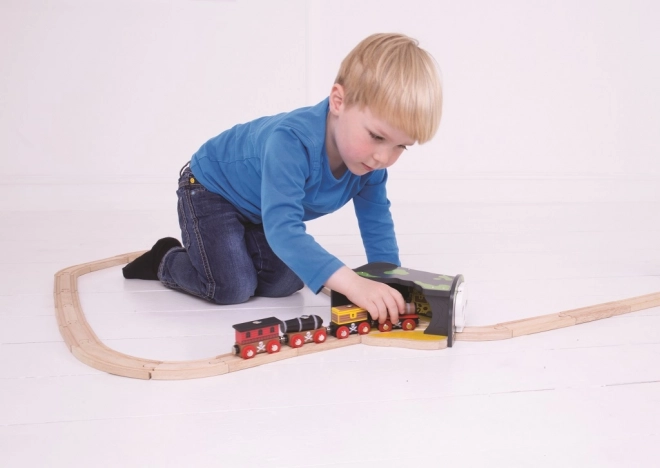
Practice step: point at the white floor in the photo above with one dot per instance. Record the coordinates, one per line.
(582, 396)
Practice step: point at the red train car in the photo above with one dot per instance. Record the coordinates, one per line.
(258, 336)
(267, 335)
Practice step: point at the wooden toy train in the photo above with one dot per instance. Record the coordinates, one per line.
(269, 334)
(440, 297)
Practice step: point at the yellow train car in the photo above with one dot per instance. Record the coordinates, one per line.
(349, 319)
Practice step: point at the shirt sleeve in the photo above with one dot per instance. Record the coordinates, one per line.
(286, 167)
(372, 209)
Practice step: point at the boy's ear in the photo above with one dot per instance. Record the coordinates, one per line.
(336, 98)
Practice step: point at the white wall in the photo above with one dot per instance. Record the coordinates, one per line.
(557, 87)
(98, 88)
(544, 101)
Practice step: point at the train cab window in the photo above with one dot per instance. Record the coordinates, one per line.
(261, 332)
(247, 334)
(272, 329)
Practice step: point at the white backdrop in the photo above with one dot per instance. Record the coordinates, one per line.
(544, 101)
(133, 87)
(559, 87)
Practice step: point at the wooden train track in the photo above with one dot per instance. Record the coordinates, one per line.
(86, 346)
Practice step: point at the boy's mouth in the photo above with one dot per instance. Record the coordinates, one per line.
(369, 169)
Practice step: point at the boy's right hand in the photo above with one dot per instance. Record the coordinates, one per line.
(379, 299)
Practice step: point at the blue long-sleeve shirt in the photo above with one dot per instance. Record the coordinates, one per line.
(275, 171)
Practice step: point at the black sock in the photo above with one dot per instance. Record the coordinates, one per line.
(146, 265)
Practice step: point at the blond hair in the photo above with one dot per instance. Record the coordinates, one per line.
(397, 80)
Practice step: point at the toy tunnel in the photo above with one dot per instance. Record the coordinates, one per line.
(443, 293)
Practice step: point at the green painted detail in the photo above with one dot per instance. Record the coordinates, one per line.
(397, 271)
(444, 277)
(366, 275)
(436, 287)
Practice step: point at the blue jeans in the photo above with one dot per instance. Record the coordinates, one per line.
(225, 258)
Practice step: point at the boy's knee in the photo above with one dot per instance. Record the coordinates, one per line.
(235, 292)
(295, 285)
(286, 285)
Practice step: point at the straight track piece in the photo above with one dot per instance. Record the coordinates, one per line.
(647, 301)
(133, 255)
(490, 333)
(536, 324)
(182, 370)
(589, 314)
(236, 363)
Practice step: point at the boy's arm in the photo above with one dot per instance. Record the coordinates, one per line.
(285, 168)
(283, 177)
(372, 209)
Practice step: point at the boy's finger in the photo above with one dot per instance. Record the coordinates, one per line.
(382, 314)
(393, 309)
(400, 302)
(376, 312)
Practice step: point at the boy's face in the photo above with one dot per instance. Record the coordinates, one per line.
(362, 141)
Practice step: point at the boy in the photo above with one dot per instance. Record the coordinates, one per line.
(245, 195)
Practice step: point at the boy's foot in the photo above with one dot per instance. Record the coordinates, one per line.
(146, 265)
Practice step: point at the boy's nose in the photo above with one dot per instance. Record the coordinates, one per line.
(380, 159)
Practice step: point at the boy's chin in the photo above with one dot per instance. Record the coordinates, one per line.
(360, 170)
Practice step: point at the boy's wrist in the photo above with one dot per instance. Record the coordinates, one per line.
(342, 280)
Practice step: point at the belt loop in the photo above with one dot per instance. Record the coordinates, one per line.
(183, 168)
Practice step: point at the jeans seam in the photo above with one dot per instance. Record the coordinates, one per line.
(185, 235)
(210, 292)
(261, 257)
(161, 266)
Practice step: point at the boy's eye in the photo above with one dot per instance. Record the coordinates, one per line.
(403, 147)
(376, 137)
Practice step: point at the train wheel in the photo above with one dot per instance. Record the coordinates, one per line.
(364, 328)
(320, 336)
(296, 341)
(248, 352)
(273, 346)
(342, 332)
(385, 326)
(408, 324)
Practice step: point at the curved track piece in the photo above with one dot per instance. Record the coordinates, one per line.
(86, 346)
